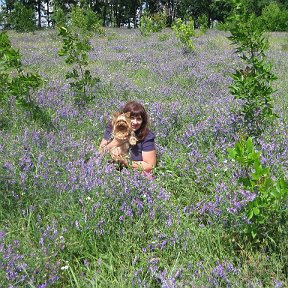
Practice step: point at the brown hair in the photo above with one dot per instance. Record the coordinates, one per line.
(137, 109)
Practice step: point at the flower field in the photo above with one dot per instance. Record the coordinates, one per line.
(70, 219)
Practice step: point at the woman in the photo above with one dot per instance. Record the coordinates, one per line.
(143, 154)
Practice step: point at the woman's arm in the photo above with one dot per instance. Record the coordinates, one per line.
(103, 144)
(149, 161)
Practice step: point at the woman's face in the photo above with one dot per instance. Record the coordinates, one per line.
(136, 122)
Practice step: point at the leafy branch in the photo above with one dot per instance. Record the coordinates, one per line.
(15, 83)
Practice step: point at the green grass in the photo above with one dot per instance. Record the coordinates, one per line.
(71, 213)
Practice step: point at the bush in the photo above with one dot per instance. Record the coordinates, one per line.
(59, 18)
(184, 32)
(266, 210)
(152, 23)
(85, 20)
(274, 18)
(203, 23)
(75, 51)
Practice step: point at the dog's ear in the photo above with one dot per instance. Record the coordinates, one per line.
(115, 116)
(127, 114)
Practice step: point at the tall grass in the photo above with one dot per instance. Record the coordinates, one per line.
(70, 219)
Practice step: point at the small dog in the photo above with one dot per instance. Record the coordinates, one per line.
(122, 131)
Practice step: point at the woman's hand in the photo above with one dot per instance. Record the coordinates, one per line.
(149, 161)
(102, 146)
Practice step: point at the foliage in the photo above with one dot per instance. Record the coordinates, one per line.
(85, 20)
(219, 10)
(15, 83)
(252, 84)
(266, 213)
(22, 18)
(75, 50)
(203, 23)
(184, 32)
(256, 7)
(59, 17)
(274, 18)
(118, 12)
(151, 23)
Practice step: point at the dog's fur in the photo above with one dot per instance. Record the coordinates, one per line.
(122, 130)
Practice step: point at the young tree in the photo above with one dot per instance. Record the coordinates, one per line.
(75, 49)
(252, 84)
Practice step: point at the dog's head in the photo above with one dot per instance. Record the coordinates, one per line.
(122, 129)
(121, 124)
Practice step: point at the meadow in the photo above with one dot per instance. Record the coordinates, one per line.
(70, 219)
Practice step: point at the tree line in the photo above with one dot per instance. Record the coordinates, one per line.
(30, 15)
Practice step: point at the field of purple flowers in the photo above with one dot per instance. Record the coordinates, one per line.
(70, 219)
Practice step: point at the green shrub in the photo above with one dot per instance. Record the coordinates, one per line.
(59, 18)
(252, 86)
(75, 37)
(152, 23)
(203, 23)
(86, 20)
(184, 32)
(266, 213)
(274, 18)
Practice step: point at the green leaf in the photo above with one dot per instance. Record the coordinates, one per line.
(256, 211)
(232, 153)
(253, 234)
(250, 214)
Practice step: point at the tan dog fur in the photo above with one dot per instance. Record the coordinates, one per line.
(122, 131)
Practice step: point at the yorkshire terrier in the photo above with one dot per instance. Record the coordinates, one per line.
(122, 131)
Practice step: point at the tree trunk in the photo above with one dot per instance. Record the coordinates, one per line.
(38, 9)
(104, 13)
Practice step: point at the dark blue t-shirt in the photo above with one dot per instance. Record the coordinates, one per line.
(147, 144)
